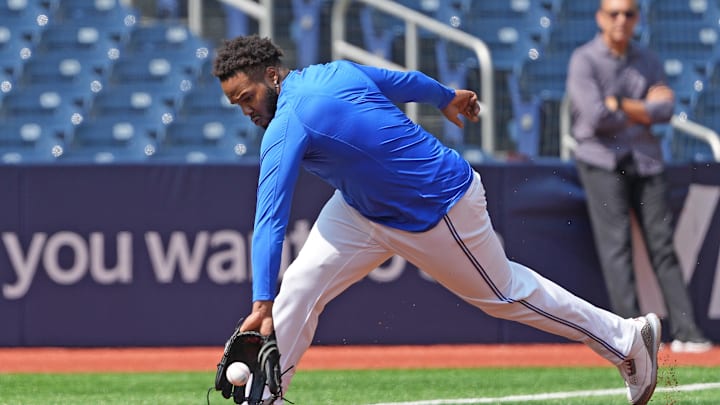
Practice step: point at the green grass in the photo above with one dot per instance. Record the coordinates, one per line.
(353, 387)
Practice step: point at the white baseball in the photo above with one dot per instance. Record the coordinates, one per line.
(237, 373)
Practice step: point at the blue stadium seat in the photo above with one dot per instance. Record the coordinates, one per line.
(529, 16)
(379, 31)
(453, 12)
(6, 84)
(508, 42)
(103, 12)
(537, 86)
(111, 139)
(137, 104)
(663, 11)
(184, 52)
(158, 74)
(695, 43)
(24, 24)
(21, 25)
(50, 107)
(565, 36)
(166, 36)
(67, 67)
(706, 110)
(21, 9)
(685, 81)
(28, 140)
(567, 10)
(305, 30)
(13, 54)
(208, 138)
(208, 99)
(80, 37)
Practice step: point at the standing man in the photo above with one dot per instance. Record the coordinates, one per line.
(399, 191)
(617, 91)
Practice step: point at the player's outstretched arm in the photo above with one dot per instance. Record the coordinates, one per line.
(464, 103)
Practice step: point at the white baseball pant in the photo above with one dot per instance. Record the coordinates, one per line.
(462, 253)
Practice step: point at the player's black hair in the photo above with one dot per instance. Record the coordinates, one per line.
(248, 54)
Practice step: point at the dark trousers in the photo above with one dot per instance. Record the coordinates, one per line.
(610, 196)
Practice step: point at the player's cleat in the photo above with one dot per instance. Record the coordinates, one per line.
(690, 346)
(640, 369)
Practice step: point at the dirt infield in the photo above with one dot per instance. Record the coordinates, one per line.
(53, 360)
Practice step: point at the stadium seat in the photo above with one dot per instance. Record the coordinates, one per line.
(111, 139)
(706, 110)
(379, 31)
(305, 30)
(167, 36)
(695, 43)
(508, 42)
(453, 12)
(80, 36)
(56, 67)
(49, 107)
(208, 138)
(568, 10)
(208, 99)
(20, 9)
(158, 74)
(685, 81)
(23, 26)
(565, 36)
(6, 84)
(13, 55)
(28, 140)
(660, 12)
(134, 103)
(537, 86)
(103, 12)
(529, 16)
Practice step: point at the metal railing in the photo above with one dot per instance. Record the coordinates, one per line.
(260, 10)
(341, 48)
(681, 123)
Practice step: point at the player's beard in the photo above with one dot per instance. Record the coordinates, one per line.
(271, 99)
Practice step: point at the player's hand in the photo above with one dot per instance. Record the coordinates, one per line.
(260, 319)
(466, 104)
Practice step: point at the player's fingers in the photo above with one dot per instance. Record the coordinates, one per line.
(457, 121)
(252, 322)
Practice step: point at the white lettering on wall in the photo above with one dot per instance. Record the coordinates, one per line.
(83, 257)
(228, 265)
(24, 265)
(122, 271)
(178, 255)
(51, 257)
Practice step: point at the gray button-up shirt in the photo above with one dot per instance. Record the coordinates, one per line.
(604, 137)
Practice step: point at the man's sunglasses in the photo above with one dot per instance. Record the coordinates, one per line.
(629, 14)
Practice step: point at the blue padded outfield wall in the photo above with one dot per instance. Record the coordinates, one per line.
(153, 255)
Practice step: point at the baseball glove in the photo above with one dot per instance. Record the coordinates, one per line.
(262, 357)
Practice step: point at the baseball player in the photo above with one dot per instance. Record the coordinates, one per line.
(399, 191)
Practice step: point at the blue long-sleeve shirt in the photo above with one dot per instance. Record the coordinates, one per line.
(339, 121)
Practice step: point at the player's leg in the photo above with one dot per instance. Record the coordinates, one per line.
(339, 251)
(464, 254)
